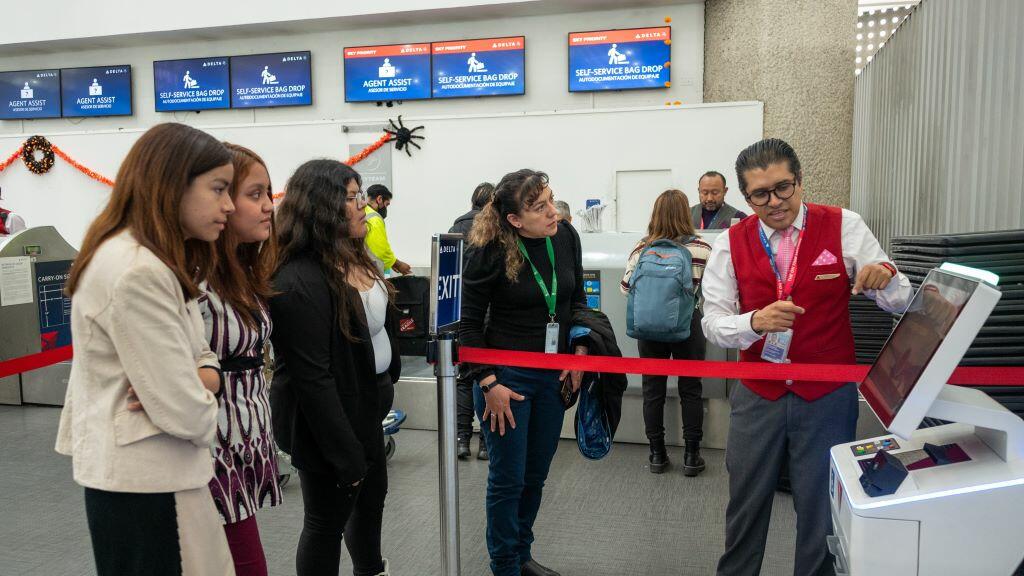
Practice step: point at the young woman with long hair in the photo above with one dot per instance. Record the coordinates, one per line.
(237, 320)
(671, 220)
(336, 360)
(526, 268)
(139, 343)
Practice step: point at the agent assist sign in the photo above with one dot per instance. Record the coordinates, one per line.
(445, 282)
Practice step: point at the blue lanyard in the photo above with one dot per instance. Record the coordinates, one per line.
(783, 286)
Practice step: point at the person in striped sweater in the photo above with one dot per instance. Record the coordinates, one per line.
(671, 220)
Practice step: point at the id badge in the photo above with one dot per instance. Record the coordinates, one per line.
(551, 338)
(776, 346)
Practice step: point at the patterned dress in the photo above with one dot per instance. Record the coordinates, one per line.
(245, 456)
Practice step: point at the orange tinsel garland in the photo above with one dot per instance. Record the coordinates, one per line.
(90, 173)
(353, 160)
(13, 157)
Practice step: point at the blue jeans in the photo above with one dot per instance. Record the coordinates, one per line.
(519, 463)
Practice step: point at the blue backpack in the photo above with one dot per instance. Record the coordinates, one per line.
(661, 297)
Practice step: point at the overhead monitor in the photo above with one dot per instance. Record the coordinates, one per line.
(934, 333)
(391, 72)
(96, 91)
(485, 67)
(271, 80)
(632, 59)
(192, 84)
(29, 94)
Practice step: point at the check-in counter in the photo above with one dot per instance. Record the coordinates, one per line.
(34, 313)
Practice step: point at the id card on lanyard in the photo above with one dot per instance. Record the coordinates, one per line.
(551, 330)
(776, 344)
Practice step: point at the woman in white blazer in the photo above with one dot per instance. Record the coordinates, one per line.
(139, 340)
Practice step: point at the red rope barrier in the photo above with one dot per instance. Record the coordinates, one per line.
(34, 361)
(965, 376)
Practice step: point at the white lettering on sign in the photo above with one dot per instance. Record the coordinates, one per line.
(448, 286)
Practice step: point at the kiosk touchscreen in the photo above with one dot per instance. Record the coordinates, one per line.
(946, 499)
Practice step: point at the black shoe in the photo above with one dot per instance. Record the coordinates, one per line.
(481, 450)
(463, 448)
(658, 457)
(693, 464)
(533, 568)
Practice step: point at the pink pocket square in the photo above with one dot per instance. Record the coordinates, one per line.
(825, 258)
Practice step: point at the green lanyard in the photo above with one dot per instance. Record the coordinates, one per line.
(549, 296)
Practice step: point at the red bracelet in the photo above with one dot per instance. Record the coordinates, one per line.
(892, 269)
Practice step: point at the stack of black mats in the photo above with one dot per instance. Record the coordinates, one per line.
(871, 328)
(1001, 340)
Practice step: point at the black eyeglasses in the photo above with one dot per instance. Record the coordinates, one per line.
(783, 191)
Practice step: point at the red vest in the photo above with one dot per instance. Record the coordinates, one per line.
(823, 334)
(3, 221)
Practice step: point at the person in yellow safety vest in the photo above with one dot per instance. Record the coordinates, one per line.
(379, 198)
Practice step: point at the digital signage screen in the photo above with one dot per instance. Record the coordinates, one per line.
(631, 59)
(30, 94)
(192, 84)
(269, 80)
(96, 91)
(486, 67)
(393, 72)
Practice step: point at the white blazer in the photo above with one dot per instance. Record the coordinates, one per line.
(130, 324)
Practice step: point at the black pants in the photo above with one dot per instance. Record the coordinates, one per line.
(159, 534)
(133, 534)
(333, 514)
(464, 405)
(690, 389)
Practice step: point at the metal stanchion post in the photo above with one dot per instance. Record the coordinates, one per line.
(448, 481)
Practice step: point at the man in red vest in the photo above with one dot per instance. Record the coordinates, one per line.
(777, 286)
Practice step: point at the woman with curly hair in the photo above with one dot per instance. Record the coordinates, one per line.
(526, 267)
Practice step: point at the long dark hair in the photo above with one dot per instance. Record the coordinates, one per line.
(241, 273)
(151, 182)
(312, 221)
(515, 191)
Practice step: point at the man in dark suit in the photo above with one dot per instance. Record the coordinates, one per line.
(713, 213)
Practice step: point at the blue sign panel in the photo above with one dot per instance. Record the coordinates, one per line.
(620, 59)
(54, 305)
(487, 67)
(267, 80)
(29, 94)
(96, 91)
(193, 84)
(395, 72)
(447, 273)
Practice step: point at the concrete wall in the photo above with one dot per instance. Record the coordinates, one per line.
(796, 56)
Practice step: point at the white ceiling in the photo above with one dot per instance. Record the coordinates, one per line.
(81, 40)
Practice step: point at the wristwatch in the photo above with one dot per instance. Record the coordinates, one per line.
(485, 388)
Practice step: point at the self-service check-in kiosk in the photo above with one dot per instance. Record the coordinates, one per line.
(941, 500)
(34, 313)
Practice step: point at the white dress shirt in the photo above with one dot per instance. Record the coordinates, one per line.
(723, 324)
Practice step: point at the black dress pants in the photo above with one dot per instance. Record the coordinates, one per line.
(690, 389)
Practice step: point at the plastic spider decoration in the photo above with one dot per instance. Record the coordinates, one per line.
(404, 136)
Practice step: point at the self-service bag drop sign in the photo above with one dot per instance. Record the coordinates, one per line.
(446, 280)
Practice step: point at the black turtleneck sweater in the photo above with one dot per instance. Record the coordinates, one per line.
(518, 310)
